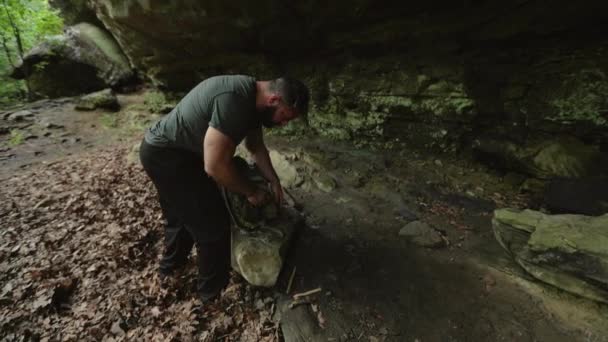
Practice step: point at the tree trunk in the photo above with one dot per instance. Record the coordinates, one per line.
(17, 35)
(7, 51)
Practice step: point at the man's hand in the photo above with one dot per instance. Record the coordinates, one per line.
(255, 145)
(258, 197)
(277, 191)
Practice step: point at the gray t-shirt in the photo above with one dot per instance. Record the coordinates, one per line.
(226, 103)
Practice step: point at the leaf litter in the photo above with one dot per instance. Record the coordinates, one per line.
(79, 247)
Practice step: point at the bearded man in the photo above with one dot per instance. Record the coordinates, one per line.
(189, 153)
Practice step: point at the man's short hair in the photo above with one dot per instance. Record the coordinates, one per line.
(293, 92)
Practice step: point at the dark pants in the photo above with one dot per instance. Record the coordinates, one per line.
(194, 211)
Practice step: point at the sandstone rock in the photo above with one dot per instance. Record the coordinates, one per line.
(287, 172)
(104, 99)
(428, 96)
(83, 59)
(260, 236)
(422, 234)
(569, 158)
(567, 251)
(50, 125)
(20, 115)
(547, 159)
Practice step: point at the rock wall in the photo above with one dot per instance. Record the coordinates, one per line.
(433, 74)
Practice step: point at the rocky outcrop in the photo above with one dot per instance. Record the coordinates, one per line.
(383, 99)
(567, 251)
(433, 75)
(260, 236)
(83, 59)
(287, 172)
(545, 159)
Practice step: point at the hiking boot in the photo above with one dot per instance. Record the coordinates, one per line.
(213, 267)
(210, 287)
(165, 270)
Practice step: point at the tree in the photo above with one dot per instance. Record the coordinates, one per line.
(23, 23)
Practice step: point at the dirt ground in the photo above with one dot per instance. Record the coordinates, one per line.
(81, 235)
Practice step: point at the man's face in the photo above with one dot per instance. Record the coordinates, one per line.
(277, 113)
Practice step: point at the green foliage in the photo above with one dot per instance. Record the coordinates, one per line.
(129, 122)
(41, 65)
(11, 91)
(109, 120)
(135, 122)
(582, 99)
(22, 23)
(155, 101)
(16, 137)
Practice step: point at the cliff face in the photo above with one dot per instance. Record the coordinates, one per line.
(435, 73)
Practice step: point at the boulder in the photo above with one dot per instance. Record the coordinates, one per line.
(20, 115)
(260, 236)
(546, 159)
(422, 234)
(287, 172)
(569, 252)
(84, 59)
(104, 99)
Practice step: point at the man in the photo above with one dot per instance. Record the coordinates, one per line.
(192, 148)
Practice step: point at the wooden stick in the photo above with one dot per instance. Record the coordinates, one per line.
(276, 332)
(293, 274)
(307, 293)
(297, 302)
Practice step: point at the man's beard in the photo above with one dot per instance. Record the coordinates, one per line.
(267, 114)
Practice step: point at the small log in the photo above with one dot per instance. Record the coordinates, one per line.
(307, 293)
(293, 274)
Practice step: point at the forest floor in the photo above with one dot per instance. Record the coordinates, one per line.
(81, 234)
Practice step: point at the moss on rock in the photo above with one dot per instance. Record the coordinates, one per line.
(566, 251)
(104, 99)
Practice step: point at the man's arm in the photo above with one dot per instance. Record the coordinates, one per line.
(254, 142)
(218, 150)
